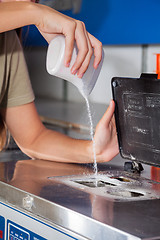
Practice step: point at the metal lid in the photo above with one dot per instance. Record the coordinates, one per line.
(137, 116)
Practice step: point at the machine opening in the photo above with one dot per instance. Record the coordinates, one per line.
(125, 194)
(112, 185)
(94, 183)
(121, 179)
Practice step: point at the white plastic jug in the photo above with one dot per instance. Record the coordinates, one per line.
(55, 66)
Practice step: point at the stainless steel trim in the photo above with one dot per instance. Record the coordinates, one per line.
(56, 214)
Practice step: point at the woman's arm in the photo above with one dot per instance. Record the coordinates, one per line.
(16, 14)
(38, 142)
(50, 23)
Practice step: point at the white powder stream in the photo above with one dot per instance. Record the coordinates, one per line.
(91, 134)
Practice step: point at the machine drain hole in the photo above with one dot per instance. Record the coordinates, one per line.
(125, 194)
(94, 183)
(121, 179)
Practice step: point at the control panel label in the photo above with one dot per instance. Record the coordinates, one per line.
(16, 232)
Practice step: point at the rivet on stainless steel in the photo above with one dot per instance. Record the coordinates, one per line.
(28, 202)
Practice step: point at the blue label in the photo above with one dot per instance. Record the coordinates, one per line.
(17, 232)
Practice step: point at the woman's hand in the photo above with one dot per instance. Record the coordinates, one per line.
(106, 136)
(52, 23)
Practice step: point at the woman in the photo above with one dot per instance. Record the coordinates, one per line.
(17, 100)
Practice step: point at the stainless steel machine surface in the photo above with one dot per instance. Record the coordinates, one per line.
(71, 202)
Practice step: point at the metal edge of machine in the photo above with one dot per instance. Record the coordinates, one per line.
(59, 215)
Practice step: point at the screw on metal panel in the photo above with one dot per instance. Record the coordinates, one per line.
(114, 84)
(28, 202)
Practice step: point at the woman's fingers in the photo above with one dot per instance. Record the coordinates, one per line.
(82, 45)
(87, 59)
(87, 45)
(107, 117)
(85, 64)
(69, 45)
(97, 46)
